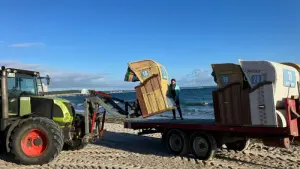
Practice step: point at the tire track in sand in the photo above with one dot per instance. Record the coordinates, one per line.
(256, 158)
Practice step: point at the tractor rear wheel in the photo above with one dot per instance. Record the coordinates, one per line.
(36, 141)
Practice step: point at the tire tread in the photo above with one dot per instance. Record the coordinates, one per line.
(36, 122)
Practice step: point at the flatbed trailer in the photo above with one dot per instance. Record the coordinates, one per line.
(202, 137)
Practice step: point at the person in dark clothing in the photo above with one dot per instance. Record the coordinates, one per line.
(174, 93)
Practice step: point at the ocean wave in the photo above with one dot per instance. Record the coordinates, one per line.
(197, 104)
(197, 111)
(79, 110)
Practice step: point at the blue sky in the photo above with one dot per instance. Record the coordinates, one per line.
(98, 38)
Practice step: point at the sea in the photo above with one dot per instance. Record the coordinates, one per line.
(196, 103)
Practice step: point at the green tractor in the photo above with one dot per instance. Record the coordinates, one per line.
(35, 128)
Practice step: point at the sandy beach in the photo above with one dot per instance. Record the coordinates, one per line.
(122, 148)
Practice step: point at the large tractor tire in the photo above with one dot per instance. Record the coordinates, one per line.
(36, 141)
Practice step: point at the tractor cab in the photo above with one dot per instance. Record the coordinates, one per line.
(25, 81)
(20, 85)
(152, 92)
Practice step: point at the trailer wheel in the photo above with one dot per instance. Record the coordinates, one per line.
(203, 146)
(36, 141)
(240, 145)
(177, 142)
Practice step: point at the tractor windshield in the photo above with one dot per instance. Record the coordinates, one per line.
(22, 83)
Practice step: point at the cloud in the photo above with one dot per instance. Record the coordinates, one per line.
(25, 45)
(64, 79)
(198, 77)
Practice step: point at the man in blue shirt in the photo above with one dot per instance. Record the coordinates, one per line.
(174, 93)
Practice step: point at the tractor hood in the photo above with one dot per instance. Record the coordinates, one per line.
(52, 98)
(58, 109)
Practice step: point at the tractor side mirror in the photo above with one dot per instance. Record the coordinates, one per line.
(48, 80)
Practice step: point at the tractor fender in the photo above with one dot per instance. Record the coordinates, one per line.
(11, 128)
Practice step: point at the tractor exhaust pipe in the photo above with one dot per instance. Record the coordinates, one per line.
(4, 92)
(86, 117)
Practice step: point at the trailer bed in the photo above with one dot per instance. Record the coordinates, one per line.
(172, 121)
(204, 125)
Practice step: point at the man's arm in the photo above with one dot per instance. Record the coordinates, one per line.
(168, 92)
(177, 89)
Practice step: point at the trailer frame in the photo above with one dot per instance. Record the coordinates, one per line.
(212, 135)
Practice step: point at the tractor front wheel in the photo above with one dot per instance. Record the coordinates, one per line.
(36, 141)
